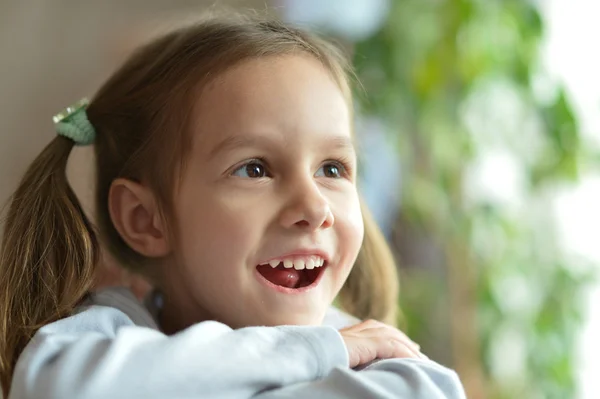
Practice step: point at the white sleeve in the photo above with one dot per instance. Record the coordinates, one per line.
(100, 353)
(387, 379)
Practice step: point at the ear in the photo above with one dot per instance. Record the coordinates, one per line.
(135, 214)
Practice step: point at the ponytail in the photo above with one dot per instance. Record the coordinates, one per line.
(48, 254)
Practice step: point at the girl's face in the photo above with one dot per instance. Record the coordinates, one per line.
(268, 221)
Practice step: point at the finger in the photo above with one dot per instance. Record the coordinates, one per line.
(387, 331)
(364, 325)
(396, 349)
(412, 352)
(415, 353)
(360, 352)
(402, 336)
(377, 325)
(407, 340)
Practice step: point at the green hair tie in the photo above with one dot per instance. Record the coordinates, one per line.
(72, 122)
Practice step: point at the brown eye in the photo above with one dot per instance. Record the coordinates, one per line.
(251, 170)
(332, 170)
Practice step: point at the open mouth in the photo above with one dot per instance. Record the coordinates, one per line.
(291, 276)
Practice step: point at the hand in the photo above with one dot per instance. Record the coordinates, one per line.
(372, 340)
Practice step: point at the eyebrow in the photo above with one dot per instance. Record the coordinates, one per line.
(341, 143)
(242, 141)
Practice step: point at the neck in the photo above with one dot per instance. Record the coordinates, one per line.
(176, 314)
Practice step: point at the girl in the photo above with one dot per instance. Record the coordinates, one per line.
(226, 175)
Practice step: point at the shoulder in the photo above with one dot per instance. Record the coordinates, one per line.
(105, 313)
(123, 300)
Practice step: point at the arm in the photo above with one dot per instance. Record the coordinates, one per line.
(387, 379)
(99, 353)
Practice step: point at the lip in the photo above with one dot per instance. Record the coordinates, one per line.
(292, 291)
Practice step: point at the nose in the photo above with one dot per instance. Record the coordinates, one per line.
(306, 208)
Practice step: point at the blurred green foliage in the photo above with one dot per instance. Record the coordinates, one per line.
(453, 80)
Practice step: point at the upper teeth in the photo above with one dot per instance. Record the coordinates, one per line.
(299, 264)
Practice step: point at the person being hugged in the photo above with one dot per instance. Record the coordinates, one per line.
(226, 176)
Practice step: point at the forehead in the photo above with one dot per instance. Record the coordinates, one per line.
(294, 97)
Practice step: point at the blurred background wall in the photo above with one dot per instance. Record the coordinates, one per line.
(54, 52)
(480, 128)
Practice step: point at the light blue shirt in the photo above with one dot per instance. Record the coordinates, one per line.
(112, 348)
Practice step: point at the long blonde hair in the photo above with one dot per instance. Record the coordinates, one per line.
(50, 250)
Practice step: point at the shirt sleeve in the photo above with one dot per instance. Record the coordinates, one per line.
(100, 353)
(387, 379)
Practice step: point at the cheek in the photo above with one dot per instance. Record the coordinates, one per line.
(213, 232)
(356, 223)
(350, 228)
